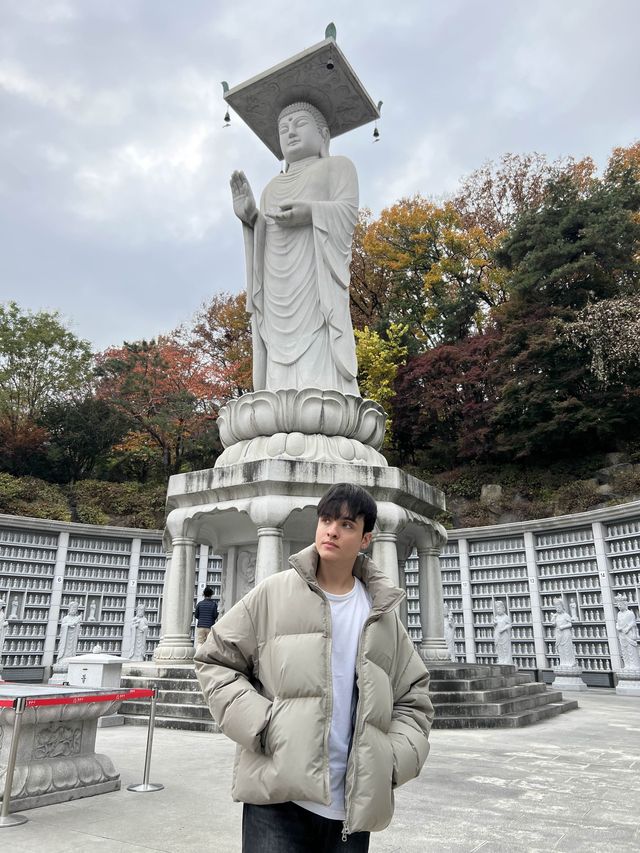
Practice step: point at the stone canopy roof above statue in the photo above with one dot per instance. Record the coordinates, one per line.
(321, 76)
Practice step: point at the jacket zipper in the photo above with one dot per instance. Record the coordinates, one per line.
(347, 802)
(327, 622)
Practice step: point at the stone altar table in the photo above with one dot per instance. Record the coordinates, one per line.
(56, 759)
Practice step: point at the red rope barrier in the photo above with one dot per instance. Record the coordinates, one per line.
(6, 703)
(134, 693)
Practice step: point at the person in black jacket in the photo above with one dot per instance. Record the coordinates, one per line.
(206, 615)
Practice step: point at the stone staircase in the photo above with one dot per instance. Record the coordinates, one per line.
(180, 703)
(475, 696)
(464, 696)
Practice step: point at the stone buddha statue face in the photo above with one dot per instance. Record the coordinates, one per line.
(303, 133)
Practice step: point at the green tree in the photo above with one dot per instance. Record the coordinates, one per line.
(496, 195)
(440, 278)
(41, 363)
(81, 432)
(580, 247)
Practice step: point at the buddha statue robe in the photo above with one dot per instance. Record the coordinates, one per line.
(298, 280)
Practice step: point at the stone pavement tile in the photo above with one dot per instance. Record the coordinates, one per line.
(32, 837)
(481, 791)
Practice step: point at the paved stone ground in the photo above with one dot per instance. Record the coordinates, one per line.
(569, 784)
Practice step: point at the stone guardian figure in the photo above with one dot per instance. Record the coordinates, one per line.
(69, 633)
(563, 635)
(4, 624)
(627, 629)
(502, 634)
(139, 631)
(449, 631)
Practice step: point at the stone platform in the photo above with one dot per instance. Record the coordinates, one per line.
(474, 696)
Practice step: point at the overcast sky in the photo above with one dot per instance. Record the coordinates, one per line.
(114, 164)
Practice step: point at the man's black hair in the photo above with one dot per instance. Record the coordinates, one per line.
(207, 592)
(357, 501)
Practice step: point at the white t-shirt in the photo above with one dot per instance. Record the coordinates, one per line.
(348, 614)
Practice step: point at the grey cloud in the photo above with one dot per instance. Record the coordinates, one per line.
(114, 165)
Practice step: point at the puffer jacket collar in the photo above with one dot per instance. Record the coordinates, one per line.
(384, 595)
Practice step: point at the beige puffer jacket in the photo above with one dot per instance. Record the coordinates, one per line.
(265, 670)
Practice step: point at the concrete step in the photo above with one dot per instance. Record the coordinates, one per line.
(523, 718)
(177, 697)
(182, 684)
(494, 695)
(168, 709)
(438, 685)
(461, 670)
(499, 709)
(141, 671)
(184, 723)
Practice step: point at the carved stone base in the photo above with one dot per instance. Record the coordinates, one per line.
(45, 783)
(568, 678)
(168, 651)
(434, 649)
(305, 426)
(628, 682)
(301, 448)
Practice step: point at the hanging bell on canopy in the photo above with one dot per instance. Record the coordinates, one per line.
(376, 132)
(227, 117)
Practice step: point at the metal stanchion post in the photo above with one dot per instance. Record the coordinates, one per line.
(145, 785)
(7, 819)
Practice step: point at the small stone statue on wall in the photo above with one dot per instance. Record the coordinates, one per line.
(563, 635)
(450, 632)
(69, 632)
(4, 624)
(502, 634)
(15, 608)
(139, 632)
(627, 635)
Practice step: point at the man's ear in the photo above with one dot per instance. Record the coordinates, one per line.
(366, 541)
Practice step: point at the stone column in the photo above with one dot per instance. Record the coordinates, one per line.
(385, 555)
(433, 646)
(467, 601)
(269, 556)
(175, 646)
(537, 617)
(402, 583)
(608, 604)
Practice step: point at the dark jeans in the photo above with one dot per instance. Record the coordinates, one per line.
(288, 828)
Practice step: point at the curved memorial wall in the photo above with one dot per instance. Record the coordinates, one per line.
(584, 559)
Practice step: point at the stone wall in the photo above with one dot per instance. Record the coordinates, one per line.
(586, 559)
(107, 571)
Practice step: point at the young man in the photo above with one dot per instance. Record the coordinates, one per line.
(315, 678)
(206, 615)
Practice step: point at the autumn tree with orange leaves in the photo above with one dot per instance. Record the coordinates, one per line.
(169, 391)
(220, 334)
